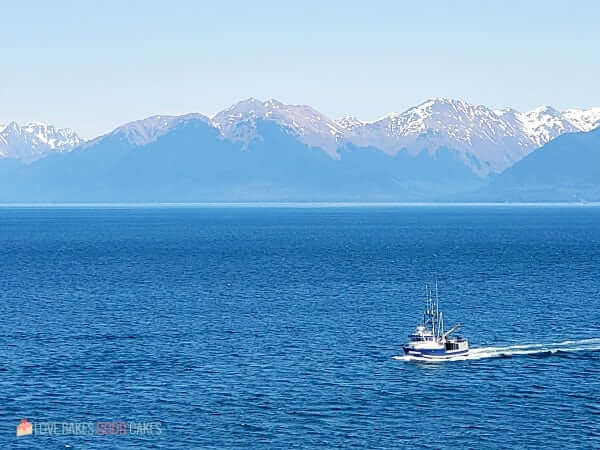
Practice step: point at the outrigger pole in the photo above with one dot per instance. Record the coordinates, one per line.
(453, 329)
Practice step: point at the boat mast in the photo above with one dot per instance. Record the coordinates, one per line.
(437, 310)
(433, 318)
(426, 307)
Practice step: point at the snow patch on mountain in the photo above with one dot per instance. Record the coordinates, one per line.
(348, 122)
(544, 124)
(584, 119)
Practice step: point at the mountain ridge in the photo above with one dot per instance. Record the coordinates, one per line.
(487, 140)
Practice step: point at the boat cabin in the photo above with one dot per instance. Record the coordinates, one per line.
(421, 334)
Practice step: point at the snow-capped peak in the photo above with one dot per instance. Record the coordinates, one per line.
(442, 122)
(145, 131)
(239, 123)
(34, 140)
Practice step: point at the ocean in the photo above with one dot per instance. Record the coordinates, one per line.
(281, 326)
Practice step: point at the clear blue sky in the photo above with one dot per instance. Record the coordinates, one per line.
(94, 65)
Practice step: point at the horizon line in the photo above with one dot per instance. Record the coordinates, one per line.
(306, 205)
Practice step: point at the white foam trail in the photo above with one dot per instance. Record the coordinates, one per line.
(521, 349)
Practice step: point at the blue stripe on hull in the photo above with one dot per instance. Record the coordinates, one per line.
(444, 355)
(433, 353)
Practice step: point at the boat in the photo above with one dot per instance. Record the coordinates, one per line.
(429, 340)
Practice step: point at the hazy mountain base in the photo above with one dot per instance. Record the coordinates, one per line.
(567, 169)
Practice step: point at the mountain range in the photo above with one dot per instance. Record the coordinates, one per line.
(255, 150)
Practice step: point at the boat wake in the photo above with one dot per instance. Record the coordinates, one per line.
(516, 350)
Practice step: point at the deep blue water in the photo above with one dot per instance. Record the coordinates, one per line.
(278, 327)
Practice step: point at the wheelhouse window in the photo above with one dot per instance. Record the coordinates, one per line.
(419, 338)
